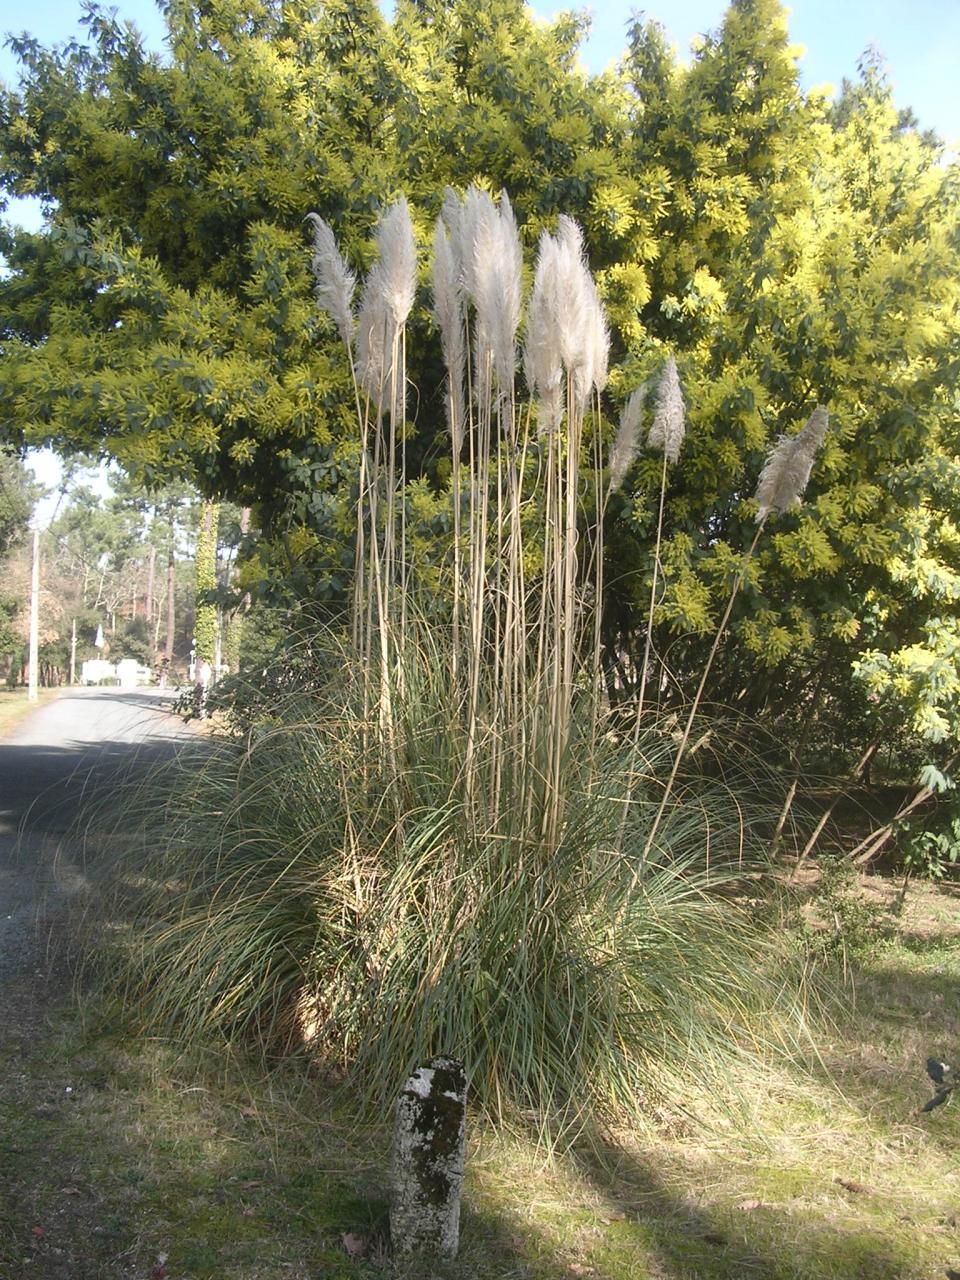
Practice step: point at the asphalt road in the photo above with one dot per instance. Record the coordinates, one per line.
(73, 747)
(65, 755)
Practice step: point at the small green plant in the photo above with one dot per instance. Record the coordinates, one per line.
(843, 923)
(934, 854)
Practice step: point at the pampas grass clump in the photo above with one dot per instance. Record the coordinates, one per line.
(455, 847)
(291, 904)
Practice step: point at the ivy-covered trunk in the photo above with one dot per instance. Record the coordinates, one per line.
(233, 639)
(205, 627)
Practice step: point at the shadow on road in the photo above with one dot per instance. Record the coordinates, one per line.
(44, 788)
(150, 700)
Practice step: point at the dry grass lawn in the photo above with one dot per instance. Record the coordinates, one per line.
(117, 1160)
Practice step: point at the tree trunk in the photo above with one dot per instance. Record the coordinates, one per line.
(151, 573)
(234, 637)
(168, 649)
(869, 847)
(205, 621)
(857, 772)
(205, 626)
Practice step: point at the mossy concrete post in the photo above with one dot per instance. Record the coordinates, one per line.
(428, 1160)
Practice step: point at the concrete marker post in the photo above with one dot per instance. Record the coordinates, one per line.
(428, 1160)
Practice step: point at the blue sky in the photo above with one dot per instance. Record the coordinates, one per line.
(919, 39)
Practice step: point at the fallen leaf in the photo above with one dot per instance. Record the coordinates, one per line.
(356, 1246)
(70, 1191)
(249, 1113)
(247, 1213)
(749, 1205)
(254, 1182)
(858, 1188)
(577, 1270)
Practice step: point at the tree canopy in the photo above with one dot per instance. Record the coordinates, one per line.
(787, 250)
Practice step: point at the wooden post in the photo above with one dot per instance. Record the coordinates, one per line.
(428, 1160)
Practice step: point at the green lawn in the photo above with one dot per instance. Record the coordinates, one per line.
(118, 1159)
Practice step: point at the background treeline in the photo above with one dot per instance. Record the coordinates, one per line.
(116, 560)
(787, 250)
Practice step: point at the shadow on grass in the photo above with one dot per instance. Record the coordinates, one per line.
(227, 1173)
(692, 1240)
(119, 1160)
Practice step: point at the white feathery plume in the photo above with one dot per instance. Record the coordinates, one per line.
(592, 375)
(509, 274)
(478, 223)
(573, 295)
(398, 260)
(627, 441)
(335, 281)
(668, 426)
(583, 333)
(566, 326)
(787, 469)
(375, 332)
(497, 276)
(601, 345)
(448, 311)
(541, 353)
(452, 213)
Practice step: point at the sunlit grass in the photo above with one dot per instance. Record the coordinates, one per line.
(15, 706)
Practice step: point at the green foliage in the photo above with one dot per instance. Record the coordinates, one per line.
(16, 500)
(133, 640)
(11, 642)
(934, 851)
(920, 680)
(788, 251)
(845, 924)
(281, 661)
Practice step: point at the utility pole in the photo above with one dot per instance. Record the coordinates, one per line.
(34, 619)
(73, 654)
